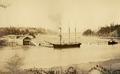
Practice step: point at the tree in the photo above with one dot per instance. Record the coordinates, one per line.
(106, 31)
(88, 32)
(14, 64)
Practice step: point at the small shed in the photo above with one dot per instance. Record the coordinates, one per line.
(27, 41)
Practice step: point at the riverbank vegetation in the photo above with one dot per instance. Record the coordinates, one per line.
(113, 30)
(15, 63)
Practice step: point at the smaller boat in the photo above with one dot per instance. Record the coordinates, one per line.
(112, 42)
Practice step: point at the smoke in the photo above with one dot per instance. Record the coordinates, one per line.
(55, 14)
(56, 19)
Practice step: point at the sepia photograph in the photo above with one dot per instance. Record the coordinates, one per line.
(59, 36)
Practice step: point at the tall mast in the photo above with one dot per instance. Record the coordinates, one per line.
(69, 34)
(60, 35)
(75, 34)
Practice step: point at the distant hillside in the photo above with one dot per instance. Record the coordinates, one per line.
(113, 31)
(23, 31)
(89, 32)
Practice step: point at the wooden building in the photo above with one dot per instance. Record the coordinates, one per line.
(27, 41)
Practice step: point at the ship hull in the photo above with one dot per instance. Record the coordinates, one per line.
(59, 46)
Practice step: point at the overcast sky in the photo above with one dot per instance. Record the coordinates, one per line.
(51, 14)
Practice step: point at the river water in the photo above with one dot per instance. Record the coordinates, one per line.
(92, 49)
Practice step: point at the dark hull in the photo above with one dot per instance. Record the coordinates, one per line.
(59, 46)
(112, 42)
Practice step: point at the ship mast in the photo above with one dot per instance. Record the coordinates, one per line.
(69, 34)
(60, 35)
(75, 34)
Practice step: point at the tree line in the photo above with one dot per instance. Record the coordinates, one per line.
(104, 31)
(20, 31)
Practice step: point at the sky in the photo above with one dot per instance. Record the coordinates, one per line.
(51, 14)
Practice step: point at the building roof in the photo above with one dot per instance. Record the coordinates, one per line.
(27, 38)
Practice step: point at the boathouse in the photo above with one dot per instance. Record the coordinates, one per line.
(27, 41)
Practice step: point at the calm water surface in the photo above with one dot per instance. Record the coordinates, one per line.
(92, 49)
